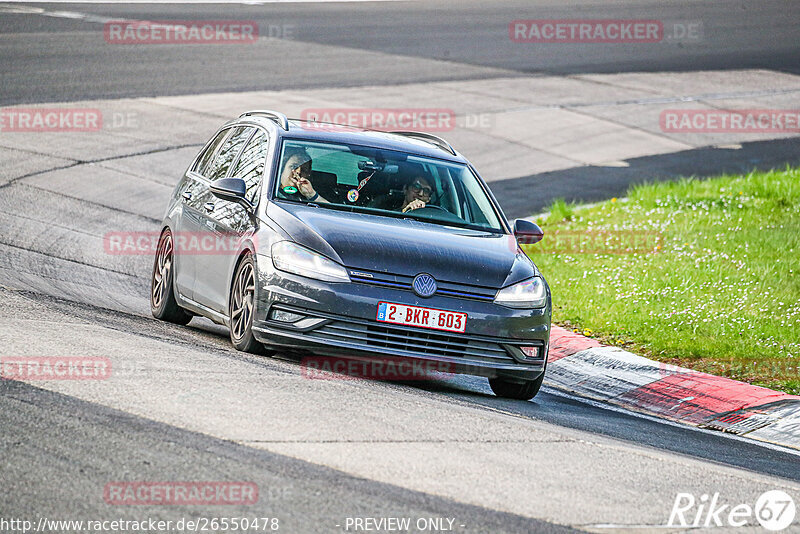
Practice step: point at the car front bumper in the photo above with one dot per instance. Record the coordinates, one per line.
(338, 319)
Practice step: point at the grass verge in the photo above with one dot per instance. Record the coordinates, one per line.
(698, 273)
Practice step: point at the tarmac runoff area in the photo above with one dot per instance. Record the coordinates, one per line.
(512, 129)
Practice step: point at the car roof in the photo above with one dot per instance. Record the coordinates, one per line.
(337, 133)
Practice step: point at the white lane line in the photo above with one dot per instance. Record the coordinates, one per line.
(245, 2)
(7, 7)
(74, 15)
(11, 6)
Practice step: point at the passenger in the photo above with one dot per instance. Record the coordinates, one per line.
(295, 179)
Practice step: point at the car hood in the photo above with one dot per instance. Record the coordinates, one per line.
(405, 246)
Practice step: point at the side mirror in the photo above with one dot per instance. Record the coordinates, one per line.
(527, 232)
(232, 190)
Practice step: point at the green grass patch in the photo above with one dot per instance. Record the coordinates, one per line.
(698, 273)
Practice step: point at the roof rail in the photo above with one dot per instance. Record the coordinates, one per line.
(433, 139)
(276, 116)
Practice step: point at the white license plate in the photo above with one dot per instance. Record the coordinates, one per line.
(389, 312)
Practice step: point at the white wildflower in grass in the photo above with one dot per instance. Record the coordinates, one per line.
(721, 284)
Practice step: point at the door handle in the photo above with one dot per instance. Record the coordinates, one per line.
(186, 195)
(209, 206)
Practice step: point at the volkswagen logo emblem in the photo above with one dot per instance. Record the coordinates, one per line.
(424, 285)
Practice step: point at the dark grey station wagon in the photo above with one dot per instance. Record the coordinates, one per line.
(338, 241)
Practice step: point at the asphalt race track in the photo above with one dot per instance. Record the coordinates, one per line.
(60, 58)
(183, 405)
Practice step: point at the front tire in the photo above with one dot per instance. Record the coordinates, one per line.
(241, 306)
(162, 298)
(505, 388)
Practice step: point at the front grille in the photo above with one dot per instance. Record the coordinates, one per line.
(415, 341)
(399, 281)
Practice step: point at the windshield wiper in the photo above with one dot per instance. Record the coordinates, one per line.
(397, 215)
(448, 222)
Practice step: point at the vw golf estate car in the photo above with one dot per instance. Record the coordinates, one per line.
(333, 240)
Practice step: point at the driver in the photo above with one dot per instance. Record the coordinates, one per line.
(295, 183)
(417, 194)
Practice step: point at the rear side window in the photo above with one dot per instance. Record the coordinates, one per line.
(208, 155)
(250, 167)
(227, 154)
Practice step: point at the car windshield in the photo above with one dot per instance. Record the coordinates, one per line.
(383, 182)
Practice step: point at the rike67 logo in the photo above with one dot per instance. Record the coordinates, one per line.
(774, 510)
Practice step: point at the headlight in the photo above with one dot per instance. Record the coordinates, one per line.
(292, 258)
(528, 294)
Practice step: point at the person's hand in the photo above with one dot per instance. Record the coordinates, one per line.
(303, 184)
(414, 205)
